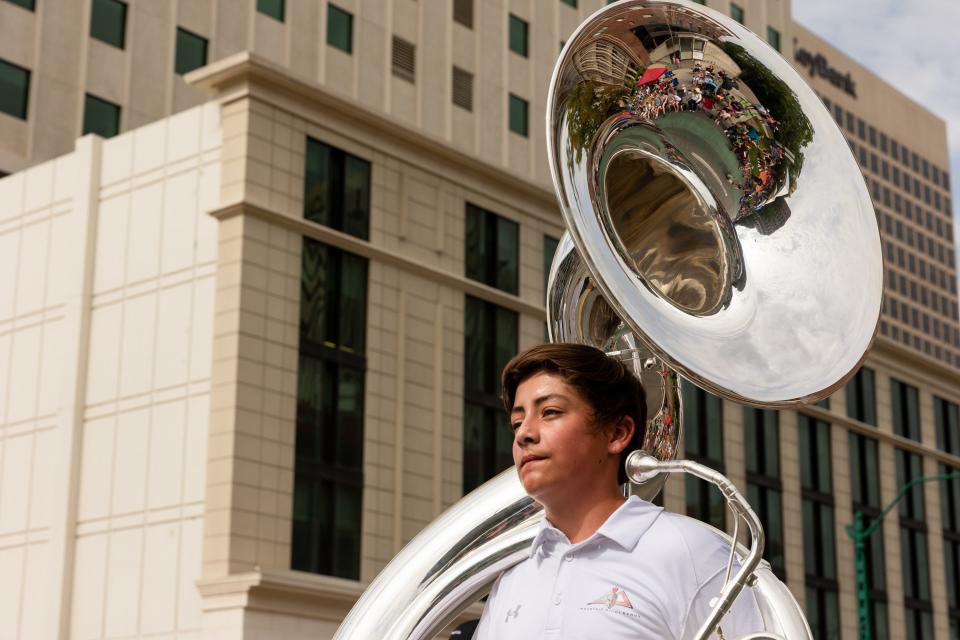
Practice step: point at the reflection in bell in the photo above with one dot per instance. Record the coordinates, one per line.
(674, 247)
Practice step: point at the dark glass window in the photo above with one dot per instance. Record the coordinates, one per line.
(572, 3)
(492, 245)
(26, 4)
(108, 22)
(914, 556)
(950, 514)
(100, 117)
(191, 51)
(905, 409)
(861, 397)
(328, 472)
(819, 537)
(339, 28)
(518, 36)
(865, 487)
(773, 37)
(947, 421)
(736, 12)
(703, 422)
(463, 12)
(519, 117)
(764, 487)
(272, 8)
(328, 469)
(336, 189)
(490, 340)
(14, 89)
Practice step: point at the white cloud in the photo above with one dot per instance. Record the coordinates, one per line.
(912, 44)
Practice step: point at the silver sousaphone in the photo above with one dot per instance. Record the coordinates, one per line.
(719, 229)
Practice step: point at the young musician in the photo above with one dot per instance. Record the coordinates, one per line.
(601, 566)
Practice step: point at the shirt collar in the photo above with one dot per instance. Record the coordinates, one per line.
(624, 526)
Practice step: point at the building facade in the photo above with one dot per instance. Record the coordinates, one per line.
(249, 345)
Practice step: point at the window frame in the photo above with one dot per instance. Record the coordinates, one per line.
(23, 112)
(177, 67)
(97, 30)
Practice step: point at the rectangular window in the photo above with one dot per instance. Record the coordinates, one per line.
(463, 12)
(518, 36)
(404, 59)
(865, 487)
(905, 409)
(108, 22)
(339, 28)
(100, 117)
(490, 340)
(462, 88)
(191, 51)
(947, 421)
(914, 556)
(819, 536)
(950, 515)
(764, 487)
(26, 4)
(328, 467)
(703, 421)
(773, 38)
(572, 3)
(328, 471)
(519, 118)
(736, 12)
(492, 245)
(861, 397)
(272, 8)
(14, 89)
(336, 189)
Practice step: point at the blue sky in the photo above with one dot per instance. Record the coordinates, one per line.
(915, 39)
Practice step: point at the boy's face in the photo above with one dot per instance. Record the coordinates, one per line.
(557, 448)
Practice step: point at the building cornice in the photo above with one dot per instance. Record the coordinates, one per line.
(246, 75)
(295, 593)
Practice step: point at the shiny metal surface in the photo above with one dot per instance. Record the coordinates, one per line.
(729, 227)
(577, 312)
(448, 565)
(736, 245)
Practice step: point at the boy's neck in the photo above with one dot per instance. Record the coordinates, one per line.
(580, 519)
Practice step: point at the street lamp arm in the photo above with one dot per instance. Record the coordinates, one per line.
(865, 533)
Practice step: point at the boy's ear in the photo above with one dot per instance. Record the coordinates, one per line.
(621, 434)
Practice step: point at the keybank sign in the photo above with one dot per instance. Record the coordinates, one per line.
(817, 65)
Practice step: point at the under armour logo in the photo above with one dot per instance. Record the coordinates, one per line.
(512, 613)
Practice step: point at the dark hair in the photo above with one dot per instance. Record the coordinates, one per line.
(610, 389)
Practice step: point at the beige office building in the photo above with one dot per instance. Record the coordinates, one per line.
(249, 344)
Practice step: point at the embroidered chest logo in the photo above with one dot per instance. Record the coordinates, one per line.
(512, 613)
(616, 598)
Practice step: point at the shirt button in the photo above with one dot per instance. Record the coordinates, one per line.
(569, 558)
(556, 600)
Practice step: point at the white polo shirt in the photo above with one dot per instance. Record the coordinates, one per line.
(645, 574)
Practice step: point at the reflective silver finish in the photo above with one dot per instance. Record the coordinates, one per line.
(738, 246)
(577, 312)
(730, 228)
(448, 565)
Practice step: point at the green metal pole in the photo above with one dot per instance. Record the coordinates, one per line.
(860, 566)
